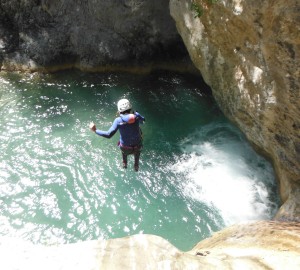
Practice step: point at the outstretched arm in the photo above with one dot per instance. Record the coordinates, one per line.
(111, 132)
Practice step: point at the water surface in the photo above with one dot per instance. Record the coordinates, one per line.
(61, 183)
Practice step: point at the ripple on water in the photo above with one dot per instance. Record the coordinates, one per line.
(224, 172)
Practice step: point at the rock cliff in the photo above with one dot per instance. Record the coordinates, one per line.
(238, 247)
(249, 52)
(89, 35)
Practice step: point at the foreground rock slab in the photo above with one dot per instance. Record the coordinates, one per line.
(259, 245)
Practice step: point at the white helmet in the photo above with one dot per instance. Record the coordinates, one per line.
(124, 105)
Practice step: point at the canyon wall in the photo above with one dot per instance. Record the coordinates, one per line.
(248, 52)
(47, 35)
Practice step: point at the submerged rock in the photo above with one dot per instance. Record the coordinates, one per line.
(249, 54)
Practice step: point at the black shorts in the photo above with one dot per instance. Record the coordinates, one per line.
(130, 150)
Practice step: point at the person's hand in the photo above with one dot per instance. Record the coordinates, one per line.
(92, 127)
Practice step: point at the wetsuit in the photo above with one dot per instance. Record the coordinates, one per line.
(130, 135)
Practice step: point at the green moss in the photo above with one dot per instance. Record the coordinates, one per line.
(198, 9)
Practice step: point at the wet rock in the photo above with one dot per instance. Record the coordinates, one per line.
(249, 54)
(87, 34)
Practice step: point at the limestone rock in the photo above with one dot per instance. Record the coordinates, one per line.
(135, 252)
(248, 52)
(259, 246)
(86, 34)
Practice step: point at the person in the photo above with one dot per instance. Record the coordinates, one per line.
(128, 124)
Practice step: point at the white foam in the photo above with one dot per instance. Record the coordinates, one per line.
(224, 173)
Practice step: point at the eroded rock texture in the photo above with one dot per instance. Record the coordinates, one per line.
(248, 52)
(89, 34)
(259, 246)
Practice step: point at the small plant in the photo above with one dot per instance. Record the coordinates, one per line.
(197, 9)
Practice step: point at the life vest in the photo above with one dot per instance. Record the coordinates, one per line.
(131, 119)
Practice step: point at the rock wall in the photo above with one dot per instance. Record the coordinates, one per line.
(89, 34)
(238, 247)
(248, 52)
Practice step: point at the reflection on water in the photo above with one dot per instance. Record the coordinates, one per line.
(60, 183)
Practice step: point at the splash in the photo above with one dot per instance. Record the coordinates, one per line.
(221, 170)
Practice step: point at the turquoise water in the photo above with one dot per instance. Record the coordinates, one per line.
(61, 183)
